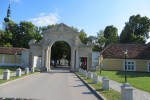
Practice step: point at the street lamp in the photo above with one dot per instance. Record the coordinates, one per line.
(125, 53)
(100, 64)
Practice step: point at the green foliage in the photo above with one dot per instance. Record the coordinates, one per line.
(136, 30)
(94, 39)
(100, 39)
(111, 35)
(47, 27)
(59, 50)
(83, 36)
(18, 35)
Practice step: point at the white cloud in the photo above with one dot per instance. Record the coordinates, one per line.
(45, 19)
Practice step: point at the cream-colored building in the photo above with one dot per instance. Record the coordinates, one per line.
(132, 57)
(41, 51)
(11, 56)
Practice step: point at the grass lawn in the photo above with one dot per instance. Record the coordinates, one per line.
(109, 95)
(11, 68)
(13, 78)
(140, 80)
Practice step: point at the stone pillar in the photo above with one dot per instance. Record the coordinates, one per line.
(95, 78)
(6, 75)
(46, 59)
(72, 58)
(18, 72)
(26, 70)
(77, 60)
(32, 70)
(126, 92)
(43, 59)
(32, 64)
(49, 58)
(105, 83)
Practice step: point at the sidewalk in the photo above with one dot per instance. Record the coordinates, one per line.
(137, 94)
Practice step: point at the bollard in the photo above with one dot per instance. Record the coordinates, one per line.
(86, 74)
(26, 70)
(126, 92)
(18, 72)
(6, 75)
(95, 79)
(32, 70)
(80, 70)
(105, 83)
(89, 75)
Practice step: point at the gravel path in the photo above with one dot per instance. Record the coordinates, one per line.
(137, 94)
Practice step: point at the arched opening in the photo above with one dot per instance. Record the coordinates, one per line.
(60, 54)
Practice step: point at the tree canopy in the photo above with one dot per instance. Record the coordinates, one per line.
(111, 35)
(18, 35)
(136, 30)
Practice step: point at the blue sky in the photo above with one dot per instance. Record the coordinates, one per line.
(90, 15)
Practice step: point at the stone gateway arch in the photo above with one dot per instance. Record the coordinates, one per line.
(60, 32)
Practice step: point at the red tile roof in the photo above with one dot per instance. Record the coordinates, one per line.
(135, 51)
(11, 50)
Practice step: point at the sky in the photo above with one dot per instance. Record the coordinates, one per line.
(89, 15)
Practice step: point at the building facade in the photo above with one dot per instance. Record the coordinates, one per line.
(137, 58)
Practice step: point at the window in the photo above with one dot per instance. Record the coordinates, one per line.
(130, 66)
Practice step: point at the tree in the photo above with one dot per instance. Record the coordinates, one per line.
(5, 39)
(111, 35)
(136, 30)
(59, 50)
(101, 39)
(83, 36)
(43, 28)
(22, 33)
(92, 39)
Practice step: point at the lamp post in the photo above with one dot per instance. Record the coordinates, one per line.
(125, 53)
(100, 64)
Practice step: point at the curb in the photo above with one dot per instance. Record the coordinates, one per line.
(18, 79)
(100, 97)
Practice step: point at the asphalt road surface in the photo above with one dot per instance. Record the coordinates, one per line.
(59, 84)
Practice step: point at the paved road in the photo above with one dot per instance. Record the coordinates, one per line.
(59, 84)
